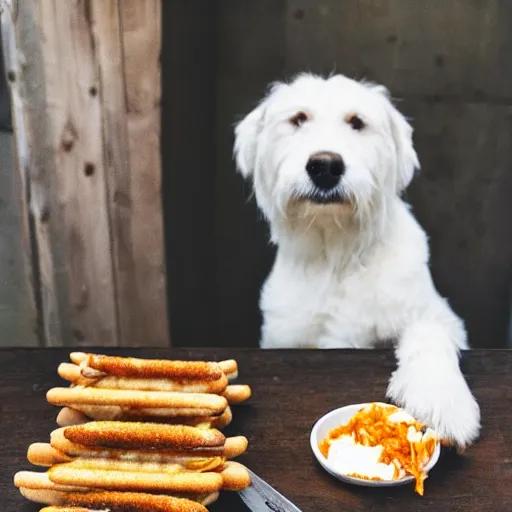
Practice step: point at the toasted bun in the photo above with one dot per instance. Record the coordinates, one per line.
(230, 368)
(113, 501)
(223, 420)
(209, 499)
(179, 466)
(111, 434)
(44, 496)
(64, 474)
(237, 393)
(46, 455)
(73, 373)
(235, 446)
(149, 368)
(59, 442)
(68, 417)
(68, 509)
(186, 404)
(142, 502)
(43, 454)
(235, 476)
(84, 413)
(169, 417)
(41, 481)
(97, 412)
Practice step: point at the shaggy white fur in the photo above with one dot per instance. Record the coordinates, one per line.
(352, 263)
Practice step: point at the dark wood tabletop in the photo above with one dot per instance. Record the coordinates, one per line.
(291, 390)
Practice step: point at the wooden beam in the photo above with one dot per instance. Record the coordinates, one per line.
(33, 160)
(78, 180)
(14, 117)
(141, 24)
(102, 281)
(127, 39)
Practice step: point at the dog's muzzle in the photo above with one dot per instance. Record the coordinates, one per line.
(325, 170)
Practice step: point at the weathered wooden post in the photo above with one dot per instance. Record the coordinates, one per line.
(85, 91)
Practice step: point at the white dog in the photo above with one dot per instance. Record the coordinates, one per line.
(329, 159)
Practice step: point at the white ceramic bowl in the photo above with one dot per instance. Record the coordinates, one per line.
(342, 416)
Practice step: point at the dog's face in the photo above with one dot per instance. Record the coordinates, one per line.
(317, 145)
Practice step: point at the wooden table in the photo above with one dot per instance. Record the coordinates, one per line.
(291, 389)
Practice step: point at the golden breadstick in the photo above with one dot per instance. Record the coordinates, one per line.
(185, 404)
(121, 465)
(204, 499)
(230, 368)
(149, 368)
(72, 373)
(59, 442)
(44, 496)
(68, 417)
(163, 416)
(118, 434)
(43, 454)
(200, 466)
(235, 394)
(64, 474)
(33, 480)
(159, 412)
(141, 502)
(101, 412)
(209, 499)
(80, 414)
(223, 420)
(66, 509)
(235, 476)
(98, 500)
(86, 413)
(235, 446)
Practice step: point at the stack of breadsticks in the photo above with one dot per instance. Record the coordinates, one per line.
(138, 435)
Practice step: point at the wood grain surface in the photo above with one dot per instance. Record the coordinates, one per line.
(291, 390)
(86, 95)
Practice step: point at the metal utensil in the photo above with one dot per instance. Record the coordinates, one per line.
(261, 497)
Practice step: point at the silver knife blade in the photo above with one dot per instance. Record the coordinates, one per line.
(261, 497)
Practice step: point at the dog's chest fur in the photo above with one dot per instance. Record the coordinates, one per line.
(313, 301)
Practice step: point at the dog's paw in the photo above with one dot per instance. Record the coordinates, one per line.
(441, 400)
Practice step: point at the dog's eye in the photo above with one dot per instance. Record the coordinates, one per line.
(356, 122)
(299, 119)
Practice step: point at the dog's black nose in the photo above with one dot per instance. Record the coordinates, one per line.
(325, 169)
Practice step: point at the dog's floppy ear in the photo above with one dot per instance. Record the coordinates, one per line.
(401, 131)
(406, 157)
(246, 134)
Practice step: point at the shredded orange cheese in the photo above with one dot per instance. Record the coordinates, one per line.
(371, 427)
